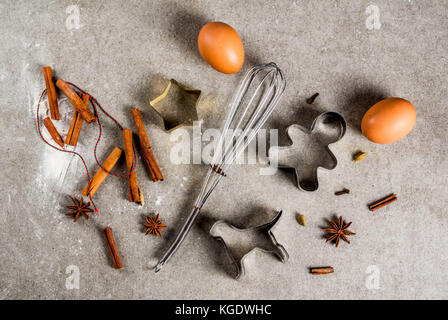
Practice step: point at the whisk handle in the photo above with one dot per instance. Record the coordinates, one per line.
(179, 239)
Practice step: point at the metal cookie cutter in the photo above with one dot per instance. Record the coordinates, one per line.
(177, 105)
(242, 242)
(309, 149)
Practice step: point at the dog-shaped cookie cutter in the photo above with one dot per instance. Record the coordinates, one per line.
(272, 246)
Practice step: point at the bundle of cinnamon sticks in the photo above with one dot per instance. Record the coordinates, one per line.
(81, 105)
(83, 114)
(134, 192)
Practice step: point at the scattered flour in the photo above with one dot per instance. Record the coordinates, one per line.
(30, 84)
(38, 230)
(54, 164)
(53, 168)
(76, 249)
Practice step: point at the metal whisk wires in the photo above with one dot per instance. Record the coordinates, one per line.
(254, 101)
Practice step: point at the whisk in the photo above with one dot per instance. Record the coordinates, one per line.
(247, 115)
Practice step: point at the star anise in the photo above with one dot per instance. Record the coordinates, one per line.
(154, 226)
(338, 230)
(79, 209)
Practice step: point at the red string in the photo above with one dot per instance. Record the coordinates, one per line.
(95, 104)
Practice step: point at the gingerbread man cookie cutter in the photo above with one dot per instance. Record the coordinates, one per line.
(306, 158)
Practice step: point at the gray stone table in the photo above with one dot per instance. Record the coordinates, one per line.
(354, 53)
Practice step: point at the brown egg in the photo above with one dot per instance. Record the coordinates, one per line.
(221, 47)
(389, 120)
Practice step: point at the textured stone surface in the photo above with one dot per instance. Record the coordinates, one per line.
(124, 53)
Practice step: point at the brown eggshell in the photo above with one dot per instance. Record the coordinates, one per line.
(221, 47)
(389, 120)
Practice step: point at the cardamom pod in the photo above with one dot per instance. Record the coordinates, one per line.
(301, 219)
(359, 156)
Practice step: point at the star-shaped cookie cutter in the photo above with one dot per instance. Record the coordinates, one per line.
(327, 128)
(271, 245)
(177, 105)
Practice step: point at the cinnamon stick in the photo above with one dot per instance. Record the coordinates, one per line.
(76, 125)
(133, 189)
(51, 93)
(145, 147)
(112, 248)
(100, 175)
(76, 101)
(383, 202)
(53, 132)
(321, 270)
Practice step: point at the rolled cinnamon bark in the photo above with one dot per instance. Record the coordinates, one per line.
(100, 175)
(76, 101)
(51, 93)
(383, 202)
(145, 147)
(76, 125)
(53, 132)
(133, 189)
(322, 270)
(112, 248)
